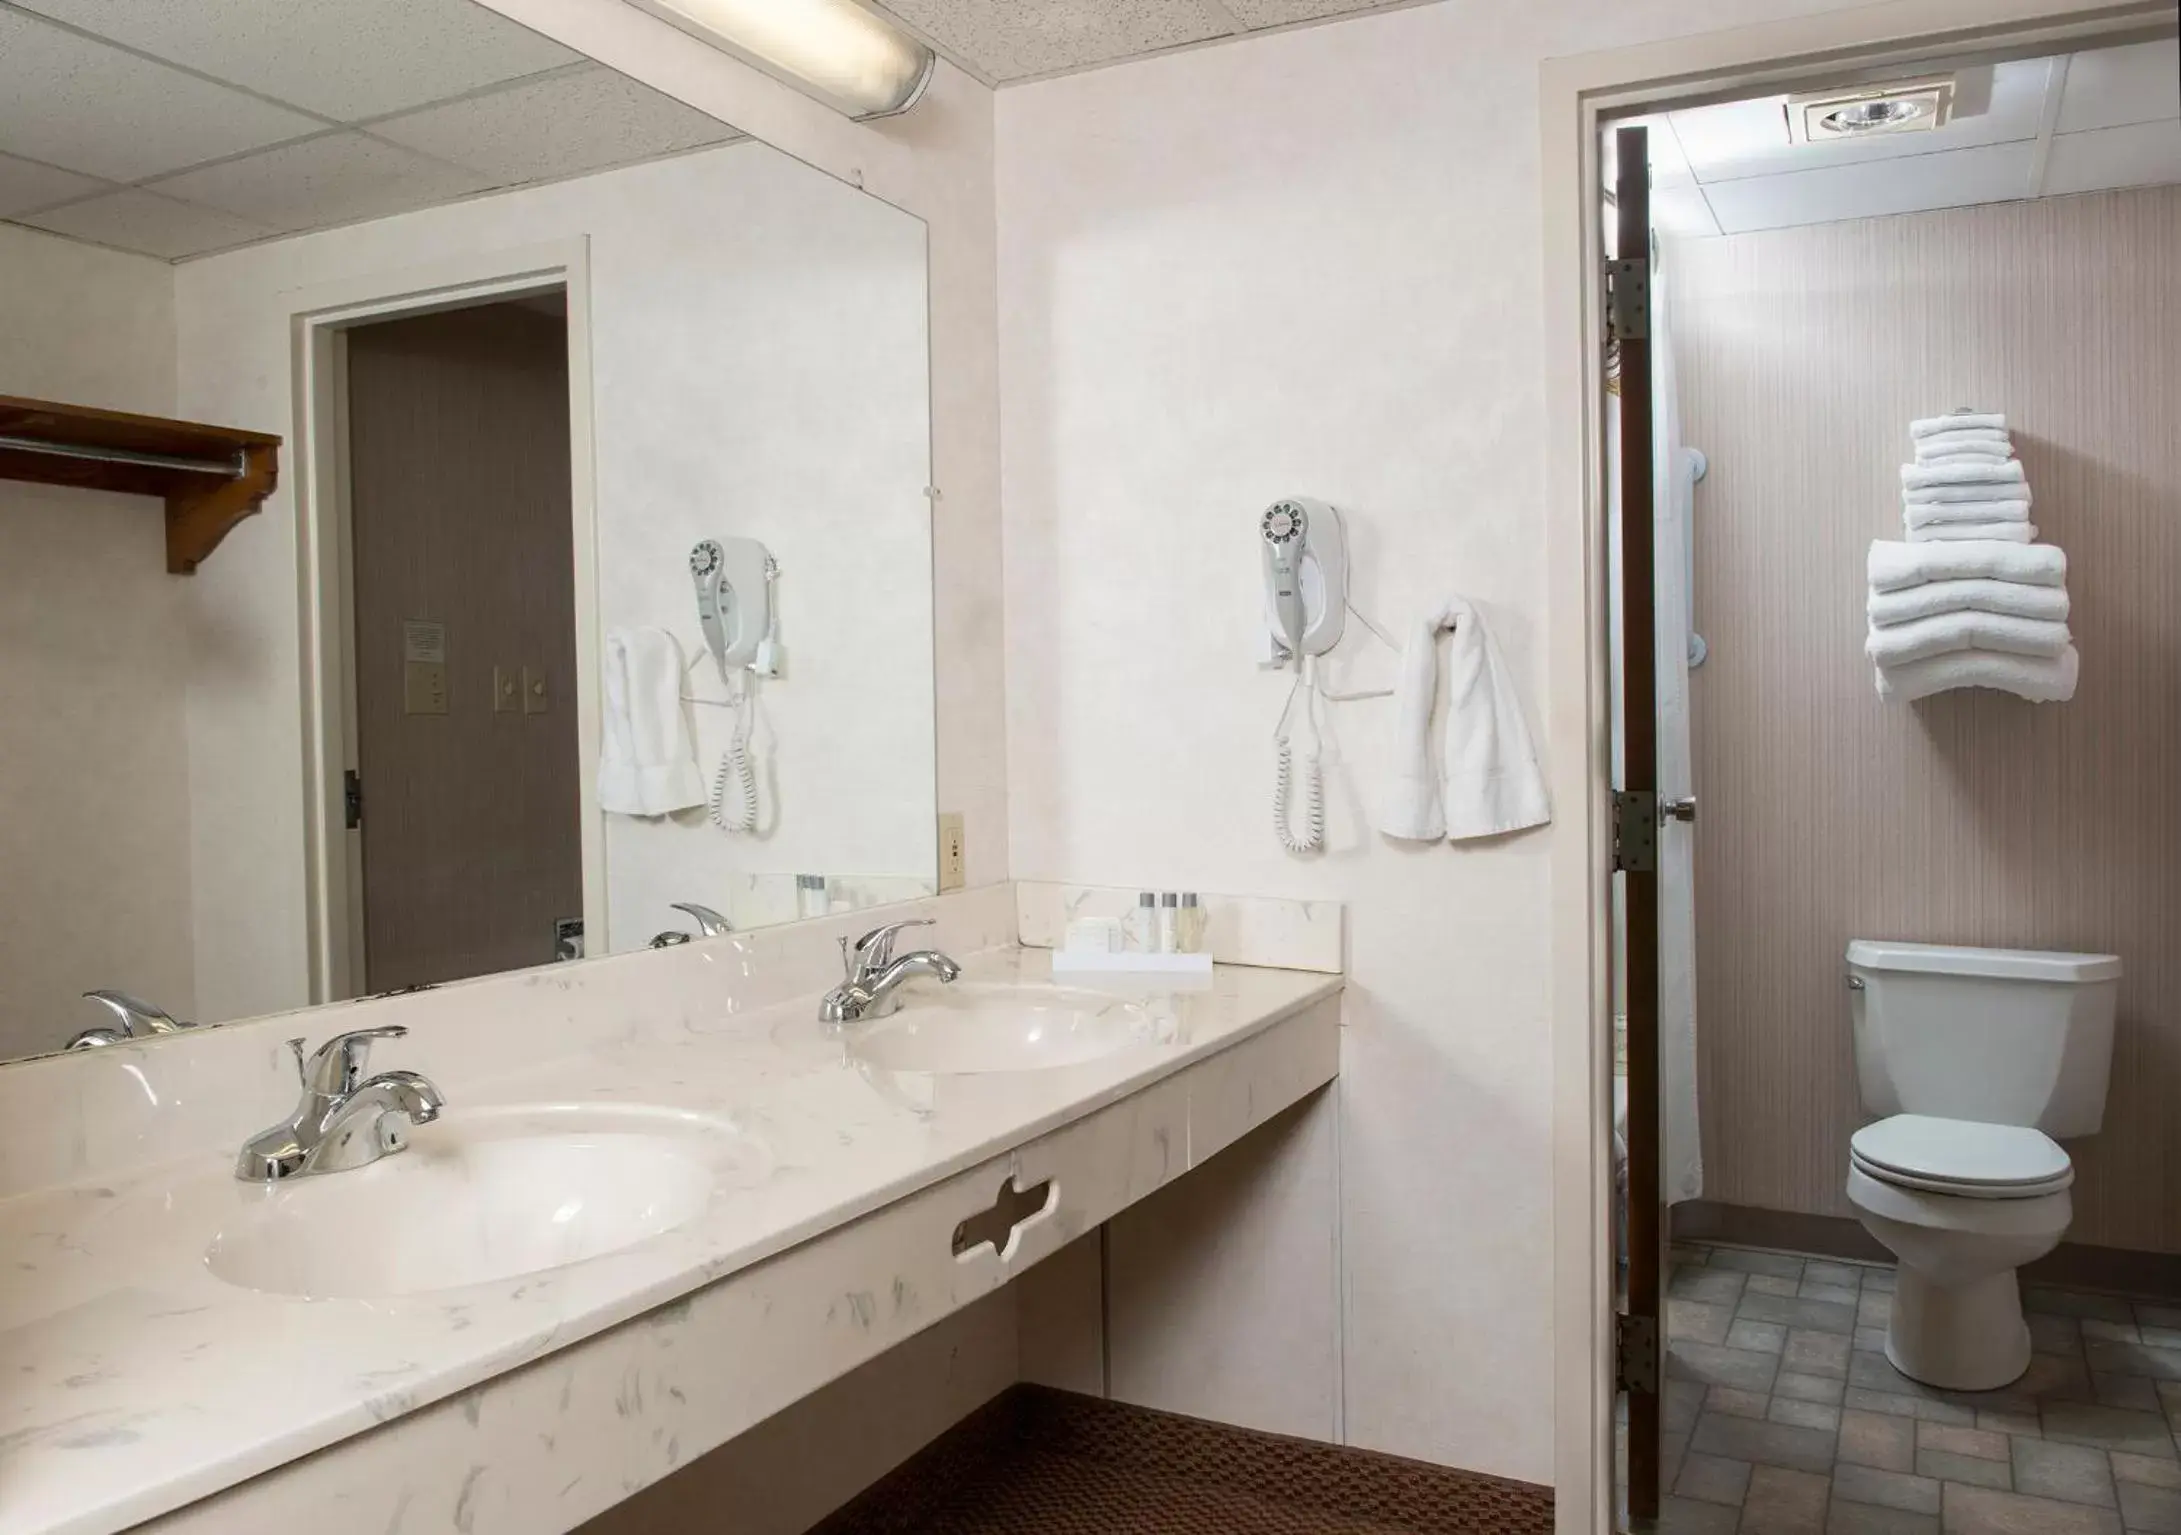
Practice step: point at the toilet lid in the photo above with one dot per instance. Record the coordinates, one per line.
(1926, 1152)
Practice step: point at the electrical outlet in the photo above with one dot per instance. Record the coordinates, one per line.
(505, 694)
(953, 862)
(533, 690)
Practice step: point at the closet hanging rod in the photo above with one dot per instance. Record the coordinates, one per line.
(230, 469)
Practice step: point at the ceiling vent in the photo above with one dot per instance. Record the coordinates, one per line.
(1863, 112)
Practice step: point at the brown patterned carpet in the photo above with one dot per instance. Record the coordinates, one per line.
(1059, 1464)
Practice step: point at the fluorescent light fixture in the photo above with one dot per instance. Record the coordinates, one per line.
(835, 49)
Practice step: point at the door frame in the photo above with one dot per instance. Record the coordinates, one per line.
(1576, 96)
(319, 316)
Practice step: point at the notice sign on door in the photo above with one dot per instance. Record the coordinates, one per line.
(423, 666)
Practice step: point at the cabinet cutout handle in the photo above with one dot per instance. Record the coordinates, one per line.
(996, 1227)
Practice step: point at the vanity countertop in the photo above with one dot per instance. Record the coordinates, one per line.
(137, 1381)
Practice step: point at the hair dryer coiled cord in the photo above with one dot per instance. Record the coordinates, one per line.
(736, 776)
(1312, 836)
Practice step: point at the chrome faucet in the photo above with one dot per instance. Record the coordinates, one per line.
(873, 975)
(345, 1119)
(710, 924)
(133, 1019)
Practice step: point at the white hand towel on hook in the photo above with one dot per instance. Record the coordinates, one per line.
(1491, 782)
(646, 763)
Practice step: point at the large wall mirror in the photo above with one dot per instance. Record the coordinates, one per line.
(592, 603)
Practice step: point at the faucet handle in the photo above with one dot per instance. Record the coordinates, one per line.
(875, 949)
(130, 1012)
(710, 924)
(336, 1066)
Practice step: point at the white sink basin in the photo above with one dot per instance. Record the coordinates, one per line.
(483, 1195)
(964, 1029)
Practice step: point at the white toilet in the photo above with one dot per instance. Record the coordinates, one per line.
(1974, 1059)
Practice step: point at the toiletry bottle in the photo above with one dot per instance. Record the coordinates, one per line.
(1169, 923)
(1192, 924)
(1143, 924)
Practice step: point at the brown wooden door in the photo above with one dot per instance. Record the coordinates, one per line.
(1636, 818)
(459, 529)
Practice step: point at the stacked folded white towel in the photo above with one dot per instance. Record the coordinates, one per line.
(1971, 599)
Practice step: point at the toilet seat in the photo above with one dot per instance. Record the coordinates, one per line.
(1961, 1157)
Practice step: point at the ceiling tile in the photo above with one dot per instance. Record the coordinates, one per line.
(1957, 178)
(142, 221)
(25, 184)
(2139, 155)
(331, 180)
(347, 59)
(2108, 87)
(1682, 211)
(1749, 138)
(78, 103)
(1013, 39)
(563, 125)
(1280, 13)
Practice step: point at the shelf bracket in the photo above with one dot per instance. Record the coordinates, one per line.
(198, 519)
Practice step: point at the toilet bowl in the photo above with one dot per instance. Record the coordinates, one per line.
(1974, 1060)
(1961, 1205)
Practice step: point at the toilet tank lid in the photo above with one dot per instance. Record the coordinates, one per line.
(2004, 964)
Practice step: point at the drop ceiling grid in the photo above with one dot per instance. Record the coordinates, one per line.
(337, 143)
(2084, 122)
(1012, 42)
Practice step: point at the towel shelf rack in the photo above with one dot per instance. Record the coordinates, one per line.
(210, 477)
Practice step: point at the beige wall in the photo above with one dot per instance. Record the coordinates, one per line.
(94, 793)
(1310, 263)
(1972, 817)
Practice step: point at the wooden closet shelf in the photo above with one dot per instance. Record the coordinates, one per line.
(210, 477)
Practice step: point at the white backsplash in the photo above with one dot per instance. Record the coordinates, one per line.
(1238, 929)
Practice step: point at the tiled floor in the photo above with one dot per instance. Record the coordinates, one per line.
(1784, 1418)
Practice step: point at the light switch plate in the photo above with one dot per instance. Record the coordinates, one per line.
(506, 691)
(953, 860)
(424, 687)
(533, 690)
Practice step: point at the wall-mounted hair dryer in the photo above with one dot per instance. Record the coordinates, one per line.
(733, 578)
(1305, 555)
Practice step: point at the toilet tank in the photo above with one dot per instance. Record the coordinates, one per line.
(2005, 1036)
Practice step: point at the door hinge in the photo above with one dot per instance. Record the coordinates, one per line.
(1635, 831)
(1635, 1353)
(1628, 298)
(351, 798)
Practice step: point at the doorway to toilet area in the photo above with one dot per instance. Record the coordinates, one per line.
(1877, 1229)
(448, 582)
(464, 641)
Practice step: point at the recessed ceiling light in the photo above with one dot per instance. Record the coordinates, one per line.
(835, 49)
(1904, 106)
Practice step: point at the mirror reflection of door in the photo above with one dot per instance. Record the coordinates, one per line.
(464, 640)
